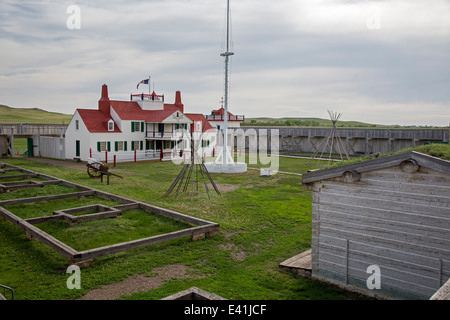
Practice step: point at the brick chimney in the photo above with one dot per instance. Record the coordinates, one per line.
(104, 103)
(178, 102)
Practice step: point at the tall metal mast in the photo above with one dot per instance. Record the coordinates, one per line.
(224, 162)
(227, 55)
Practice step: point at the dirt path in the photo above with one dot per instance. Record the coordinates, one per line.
(60, 163)
(140, 283)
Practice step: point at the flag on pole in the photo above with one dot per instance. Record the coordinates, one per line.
(142, 82)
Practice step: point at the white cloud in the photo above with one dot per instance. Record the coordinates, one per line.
(291, 57)
(403, 17)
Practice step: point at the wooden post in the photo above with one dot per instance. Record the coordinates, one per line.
(134, 155)
(114, 160)
(106, 157)
(197, 236)
(346, 261)
(90, 152)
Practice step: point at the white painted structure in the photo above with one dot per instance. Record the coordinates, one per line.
(144, 128)
(224, 162)
(217, 119)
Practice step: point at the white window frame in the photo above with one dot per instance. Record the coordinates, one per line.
(110, 125)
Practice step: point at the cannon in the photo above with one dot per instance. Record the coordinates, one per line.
(97, 169)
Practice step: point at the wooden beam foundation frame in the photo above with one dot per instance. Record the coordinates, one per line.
(201, 229)
(9, 186)
(102, 212)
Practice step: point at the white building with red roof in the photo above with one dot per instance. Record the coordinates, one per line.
(216, 118)
(144, 128)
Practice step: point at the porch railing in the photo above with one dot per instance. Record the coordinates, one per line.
(221, 117)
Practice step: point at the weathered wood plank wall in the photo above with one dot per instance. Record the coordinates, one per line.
(396, 220)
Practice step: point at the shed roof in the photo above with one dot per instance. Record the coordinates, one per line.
(378, 163)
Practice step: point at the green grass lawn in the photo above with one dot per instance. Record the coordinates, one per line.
(263, 221)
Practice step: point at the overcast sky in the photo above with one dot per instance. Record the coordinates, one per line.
(385, 62)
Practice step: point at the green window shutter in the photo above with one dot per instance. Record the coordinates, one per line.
(142, 127)
(99, 146)
(172, 144)
(177, 126)
(125, 146)
(141, 145)
(132, 126)
(147, 144)
(132, 145)
(116, 146)
(108, 146)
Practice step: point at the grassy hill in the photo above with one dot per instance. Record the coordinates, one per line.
(314, 122)
(10, 115)
(302, 122)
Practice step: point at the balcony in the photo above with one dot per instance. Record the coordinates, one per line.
(221, 117)
(147, 97)
(165, 134)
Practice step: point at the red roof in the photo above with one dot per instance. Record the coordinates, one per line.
(175, 107)
(200, 117)
(130, 110)
(159, 115)
(221, 111)
(96, 121)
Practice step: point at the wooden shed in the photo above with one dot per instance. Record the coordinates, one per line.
(386, 220)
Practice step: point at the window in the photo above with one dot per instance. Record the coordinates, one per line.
(119, 145)
(77, 124)
(110, 125)
(137, 126)
(205, 143)
(135, 145)
(101, 146)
